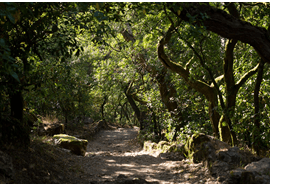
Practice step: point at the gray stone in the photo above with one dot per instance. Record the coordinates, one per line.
(262, 166)
(253, 173)
(218, 167)
(206, 152)
(247, 177)
(231, 156)
(235, 175)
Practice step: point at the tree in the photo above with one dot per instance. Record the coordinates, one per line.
(190, 40)
(27, 31)
(226, 25)
(173, 67)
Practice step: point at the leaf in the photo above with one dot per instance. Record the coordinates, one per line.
(14, 75)
(11, 18)
(2, 42)
(178, 12)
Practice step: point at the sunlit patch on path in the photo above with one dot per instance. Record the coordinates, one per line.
(113, 153)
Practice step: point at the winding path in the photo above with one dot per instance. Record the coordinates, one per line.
(114, 154)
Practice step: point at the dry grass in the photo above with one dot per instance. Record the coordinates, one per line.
(49, 119)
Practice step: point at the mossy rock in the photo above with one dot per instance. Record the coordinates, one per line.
(165, 148)
(163, 144)
(194, 142)
(77, 146)
(149, 146)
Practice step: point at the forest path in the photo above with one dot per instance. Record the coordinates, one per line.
(113, 155)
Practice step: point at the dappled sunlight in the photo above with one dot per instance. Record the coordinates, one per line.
(110, 155)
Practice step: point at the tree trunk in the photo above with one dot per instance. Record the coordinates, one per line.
(256, 132)
(105, 98)
(168, 94)
(16, 104)
(209, 92)
(141, 116)
(18, 128)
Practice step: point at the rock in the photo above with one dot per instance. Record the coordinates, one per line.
(260, 171)
(6, 166)
(148, 145)
(204, 152)
(219, 167)
(248, 178)
(231, 156)
(77, 146)
(261, 167)
(235, 176)
(204, 147)
(163, 145)
(253, 173)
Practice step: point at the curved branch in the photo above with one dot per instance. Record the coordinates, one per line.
(198, 85)
(246, 76)
(226, 25)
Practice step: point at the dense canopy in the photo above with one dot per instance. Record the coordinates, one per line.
(173, 69)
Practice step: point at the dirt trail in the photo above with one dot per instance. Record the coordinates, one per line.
(113, 154)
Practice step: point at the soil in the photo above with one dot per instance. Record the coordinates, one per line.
(113, 156)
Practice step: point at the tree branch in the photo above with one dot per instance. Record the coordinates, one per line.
(246, 76)
(226, 25)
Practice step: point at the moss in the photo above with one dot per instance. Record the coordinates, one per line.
(77, 146)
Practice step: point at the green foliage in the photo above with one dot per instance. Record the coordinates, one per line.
(71, 60)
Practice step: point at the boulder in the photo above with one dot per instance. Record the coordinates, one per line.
(149, 145)
(77, 146)
(6, 167)
(253, 173)
(202, 148)
(219, 168)
(262, 166)
(231, 156)
(204, 152)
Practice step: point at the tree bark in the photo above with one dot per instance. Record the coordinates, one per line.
(168, 93)
(226, 25)
(209, 92)
(256, 132)
(105, 98)
(16, 105)
(141, 116)
(18, 130)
